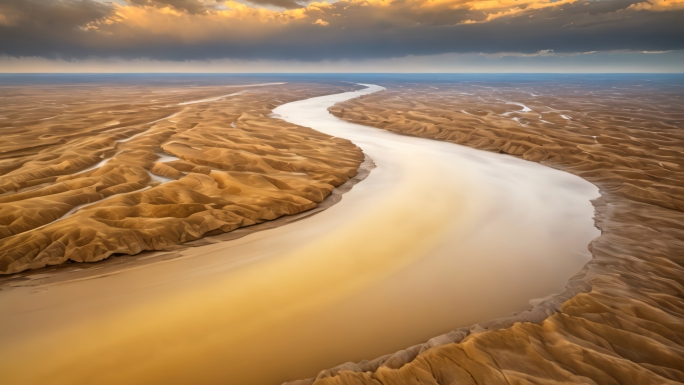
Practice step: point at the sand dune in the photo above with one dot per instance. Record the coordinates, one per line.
(432, 234)
(94, 170)
(621, 320)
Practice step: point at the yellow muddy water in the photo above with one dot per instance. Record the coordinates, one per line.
(438, 236)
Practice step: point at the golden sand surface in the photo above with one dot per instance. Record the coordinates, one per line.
(91, 170)
(365, 277)
(621, 319)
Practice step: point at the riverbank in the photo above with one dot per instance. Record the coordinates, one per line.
(619, 321)
(370, 275)
(120, 169)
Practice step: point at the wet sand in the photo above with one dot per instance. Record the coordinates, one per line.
(438, 236)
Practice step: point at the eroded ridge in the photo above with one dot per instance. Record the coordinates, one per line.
(621, 320)
(88, 171)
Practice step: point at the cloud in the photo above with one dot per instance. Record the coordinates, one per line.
(287, 4)
(179, 30)
(48, 28)
(659, 5)
(191, 6)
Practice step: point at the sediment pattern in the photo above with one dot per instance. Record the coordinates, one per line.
(621, 319)
(87, 171)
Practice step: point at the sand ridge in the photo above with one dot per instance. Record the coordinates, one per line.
(309, 295)
(621, 319)
(94, 170)
(591, 325)
(62, 273)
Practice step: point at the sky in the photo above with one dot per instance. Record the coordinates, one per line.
(342, 36)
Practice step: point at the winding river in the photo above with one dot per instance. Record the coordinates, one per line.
(438, 236)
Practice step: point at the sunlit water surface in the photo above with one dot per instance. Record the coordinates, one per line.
(438, 236)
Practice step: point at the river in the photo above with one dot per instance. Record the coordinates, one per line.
(438, 236)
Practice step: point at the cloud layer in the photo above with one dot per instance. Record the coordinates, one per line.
(178, 30)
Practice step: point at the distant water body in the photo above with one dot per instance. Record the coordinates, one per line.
(598, 80)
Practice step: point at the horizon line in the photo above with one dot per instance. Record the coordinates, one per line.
(342, 73)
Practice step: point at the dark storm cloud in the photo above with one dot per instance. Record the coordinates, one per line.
(201, 6)
(191, 6)
(289, 4)
(47, 28)
(76, 29)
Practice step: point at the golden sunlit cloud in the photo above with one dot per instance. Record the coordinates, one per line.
(195, 25)
(180, 30)
(511, 8)
(659, 5)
